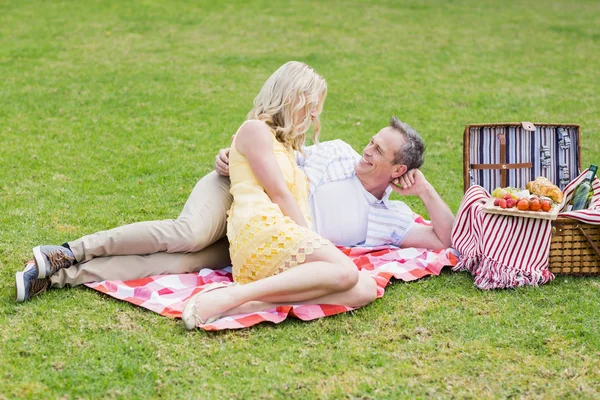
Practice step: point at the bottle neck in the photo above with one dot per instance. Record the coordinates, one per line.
(590, 175)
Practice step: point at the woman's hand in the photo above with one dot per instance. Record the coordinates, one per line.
(222, 162)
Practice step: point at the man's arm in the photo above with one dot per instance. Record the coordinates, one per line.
(222, 162)
(437, 236)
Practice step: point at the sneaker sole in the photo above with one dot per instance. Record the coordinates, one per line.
(20, 286)
(40, 263)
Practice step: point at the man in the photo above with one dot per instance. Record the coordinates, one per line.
(348, 199)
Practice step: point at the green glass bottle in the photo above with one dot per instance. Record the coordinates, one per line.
(582, 195)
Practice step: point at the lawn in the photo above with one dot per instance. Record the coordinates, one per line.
(110, 111)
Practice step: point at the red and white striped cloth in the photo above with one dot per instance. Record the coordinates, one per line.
(505, 251)
(167, 294)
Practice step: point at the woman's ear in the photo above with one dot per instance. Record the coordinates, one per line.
(398, 170)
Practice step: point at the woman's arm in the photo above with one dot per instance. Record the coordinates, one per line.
(254, 141)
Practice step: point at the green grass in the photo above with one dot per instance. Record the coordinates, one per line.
(111, 111)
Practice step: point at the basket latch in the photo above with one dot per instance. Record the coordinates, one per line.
(528, 126)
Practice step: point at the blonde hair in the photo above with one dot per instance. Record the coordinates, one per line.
(292, 88)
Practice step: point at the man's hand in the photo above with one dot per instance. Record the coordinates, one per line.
(437, 236)
(222, 162)
(412, 183)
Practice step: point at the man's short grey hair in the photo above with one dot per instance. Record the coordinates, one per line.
(412, 153)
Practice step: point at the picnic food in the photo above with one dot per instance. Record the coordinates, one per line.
(505, 193)
(535, 205)
(523, 200)
(523, 204)
(509, 192)
(543, 187)
(507, 202)
(546, 206)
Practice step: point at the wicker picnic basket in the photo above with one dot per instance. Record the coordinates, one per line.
(514, 153)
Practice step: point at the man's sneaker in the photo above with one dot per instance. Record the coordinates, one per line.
(50, 259)
(28, 284)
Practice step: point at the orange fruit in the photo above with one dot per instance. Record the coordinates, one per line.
(546, 206)
(523, 204)
(535, 205)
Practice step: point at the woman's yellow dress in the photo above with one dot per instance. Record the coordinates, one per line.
(263, 241)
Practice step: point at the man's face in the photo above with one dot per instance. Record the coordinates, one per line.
(377, 163)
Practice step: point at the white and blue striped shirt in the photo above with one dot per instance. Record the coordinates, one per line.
(387, 221)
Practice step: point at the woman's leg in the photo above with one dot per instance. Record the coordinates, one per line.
(363, 293)
(201, 223)
(328, 275)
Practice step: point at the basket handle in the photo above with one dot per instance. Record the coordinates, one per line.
(590, 241)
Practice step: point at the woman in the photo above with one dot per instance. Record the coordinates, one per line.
(275, 255)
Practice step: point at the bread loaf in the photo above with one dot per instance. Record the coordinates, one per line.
(543, 187)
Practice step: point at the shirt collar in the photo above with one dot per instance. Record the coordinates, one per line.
(386, 196)
(374, 200)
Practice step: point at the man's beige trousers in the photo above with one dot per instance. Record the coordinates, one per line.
(195, 240)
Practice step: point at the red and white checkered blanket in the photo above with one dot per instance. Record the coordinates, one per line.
(167, 294)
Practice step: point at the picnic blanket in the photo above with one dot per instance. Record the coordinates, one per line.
(505, 251)
(167, 294)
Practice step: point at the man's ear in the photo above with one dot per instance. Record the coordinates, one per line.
(398, 170)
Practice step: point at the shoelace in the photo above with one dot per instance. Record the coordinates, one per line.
(38, 286)
(59, 259)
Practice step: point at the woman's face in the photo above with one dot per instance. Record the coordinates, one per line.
(308, 113)
(303, 117)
